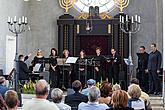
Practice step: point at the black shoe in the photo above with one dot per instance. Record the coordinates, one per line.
(156, 93)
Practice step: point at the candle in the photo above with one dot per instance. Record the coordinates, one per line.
(9, 20)
(132, 19)
(26, 20)
(120, 18)
(23, 19)
(19, 21)
(138, 19)
(126, 17)
(15, 19)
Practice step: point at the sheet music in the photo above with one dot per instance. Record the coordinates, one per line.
(37, 67)
(71, 60)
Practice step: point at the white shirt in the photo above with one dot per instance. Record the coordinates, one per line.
(63, 106)
(39, 104)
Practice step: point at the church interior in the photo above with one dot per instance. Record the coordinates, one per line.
(31, 28)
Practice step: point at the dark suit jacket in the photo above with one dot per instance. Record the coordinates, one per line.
(154, 61)
(23, 71)
(75, 99)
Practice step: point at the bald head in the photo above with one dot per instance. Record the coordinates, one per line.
(41, 88)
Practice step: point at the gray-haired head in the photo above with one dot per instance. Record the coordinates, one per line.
(94, 94)
(56, 95)
(116, 87)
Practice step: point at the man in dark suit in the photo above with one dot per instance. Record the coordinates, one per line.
(154, 64)
(75, 99)
(113, 69)
(23, 69)
(142, 75)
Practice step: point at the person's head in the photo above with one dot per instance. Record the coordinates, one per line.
(134, 91)
(142, 49)
(105, 89)
(76, 85)
(41, 89)
(98, 50)
(94, 94)
(113, 51)
(53, 52)
(91, 82)
(11, 99)
(21, 57)
(56, 95)
(66, 53)
(135, 81)
(39, 52)
(2, 80)
(153, 47)
(119, 99)
(82, 53)
(116, 87)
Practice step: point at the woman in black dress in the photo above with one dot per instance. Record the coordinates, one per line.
(39, 58)
(53, 69)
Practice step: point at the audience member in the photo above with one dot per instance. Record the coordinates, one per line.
(11, 100)
(40, 102)
(56, 95)
(75, 99)
(134, 92)
(144, 96)
(116, 87)
(105, 90)
(120, 101)
(3, 87)
(93, 104)
(2, 103)
(90, 83)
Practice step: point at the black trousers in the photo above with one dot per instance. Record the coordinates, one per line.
(113, 73)
(54, 79)
(143, 79)
(154, 82)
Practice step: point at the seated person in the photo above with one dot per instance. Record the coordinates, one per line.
(90, 83)
(11, 100)
(2, 103)
(94, 94)
(75, 99)
(23, 69)
(56, 95)
(144, 96)
(105, 90)
(116, 87)
(120, 101)
(134, 92)
(3, 87)
(40, 102)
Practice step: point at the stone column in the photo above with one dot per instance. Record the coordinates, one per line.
(163, 49)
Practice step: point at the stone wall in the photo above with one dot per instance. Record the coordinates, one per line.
(43, 31)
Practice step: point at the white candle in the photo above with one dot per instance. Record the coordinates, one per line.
(26, 20)
(126, 17)
(15, 19)
(23, 19)
(132, 19)
(19, 21)
(122, 19)
(138, 19)
(9, 20)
